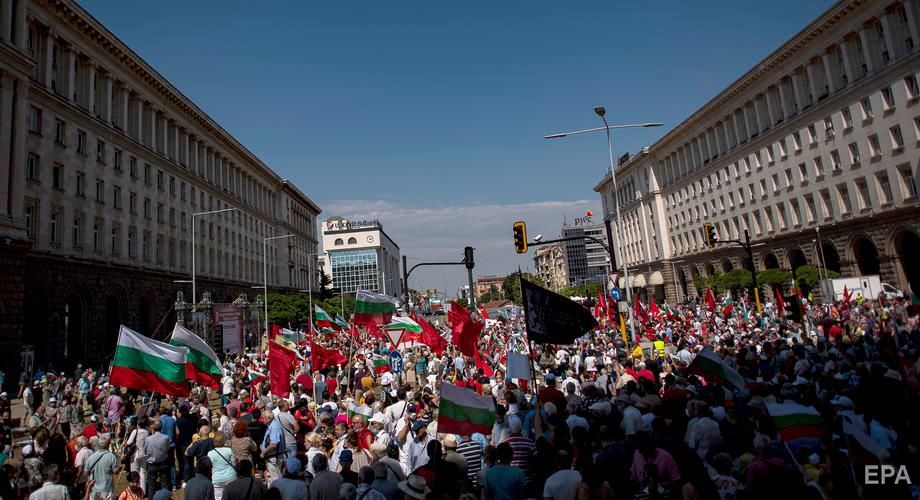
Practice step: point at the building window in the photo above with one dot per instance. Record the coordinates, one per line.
(789, 181)
(828, 127)
(782, 148)
(59, 132)
(352, 241)
(810, 209)
(81, 142)
(862, 191)
(132, 167)
(132, 202)
(54, 233)
(147, 207)
(182, 191)
(819, 168)
(97, 235)
(888, 98)
(35, 120)
(147, 175)
(32, 167)
(57, 176)
(910, 82)
(100, 191)
(866, 105)
(908, 184)
(116, 197)
(797, 141)
(132, 236)
(100, 151)
(803, 173)
(875, 148)
(812, 134)
(884, 187)
(161, 215)
(844, 194)
(115, 243)
(77, 231)
(160, 179)
(339, 242)
(847, 117)
(172, 185)
(835, 160)
(854, 153)
(172, 217)
(145, 246)
(117, 159)
(80, 184)
(770, 154)
(897, 139)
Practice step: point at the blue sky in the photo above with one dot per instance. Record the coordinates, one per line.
(431, 115)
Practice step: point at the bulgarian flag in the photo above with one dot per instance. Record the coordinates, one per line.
(323, 319)
(202, 365)
(381, 364)
(373, 307)
(411, 331)
(145, 364)
(255, 377)
(796, 424)
(708, 364)
(462, 412)
(341, 323)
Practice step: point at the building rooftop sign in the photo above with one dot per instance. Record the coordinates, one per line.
(340, 224)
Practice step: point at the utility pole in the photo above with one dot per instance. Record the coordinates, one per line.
(470, 263)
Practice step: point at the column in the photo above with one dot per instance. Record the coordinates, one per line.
(847, 48)
(150, 131)
(173, 140)
(755, 113)
(812, 82)
(19, 27)
(105, 107)
(865, 36)
(6, 129)
(138, 121)
(18, 146)
(785, 110)
(89, 88)
(771, 110)
(47, 56)
(740, 130)
(194, 161)
(124, 94)
(911, 10)
(889, 39)
(798, 88)
(713, 152)
(162, 131)
(183, 147)
(829, 70)
(727, 139)
(6, 20)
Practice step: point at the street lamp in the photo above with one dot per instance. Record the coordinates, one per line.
(196, 214)
(265, 272)
(601, 112)
(310, 283)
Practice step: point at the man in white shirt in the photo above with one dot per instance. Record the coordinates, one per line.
(415, 447)
(51, 490)
(632, 417)
(563, 482)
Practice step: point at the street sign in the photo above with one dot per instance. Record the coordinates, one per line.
(395, 335)
(396, 362)
(615, 294)
(612, 280)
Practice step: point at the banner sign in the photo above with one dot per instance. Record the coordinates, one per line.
(230, 319)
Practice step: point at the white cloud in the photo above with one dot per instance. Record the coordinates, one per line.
(426, 234)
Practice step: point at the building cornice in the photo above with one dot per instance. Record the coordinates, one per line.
(70, 12)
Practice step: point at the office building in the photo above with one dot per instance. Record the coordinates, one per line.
(359, 255)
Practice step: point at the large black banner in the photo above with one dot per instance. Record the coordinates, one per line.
(552, 318)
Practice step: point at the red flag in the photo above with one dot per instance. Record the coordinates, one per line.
(639, 311)
(710, 300)
(653, 310)
(430, 336)
(483, 312)
(373, 330)
(279, 369)
(465, 331)
(481, 363)
(780, 303)
(276, 330)
(324, 358)
(846, 296)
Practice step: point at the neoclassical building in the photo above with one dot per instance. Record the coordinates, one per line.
(104, 168)
(813, 152)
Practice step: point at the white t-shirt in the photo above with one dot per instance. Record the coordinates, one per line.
(562, 484)
(590, 363)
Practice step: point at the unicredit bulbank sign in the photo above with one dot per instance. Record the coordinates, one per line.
(344, 224)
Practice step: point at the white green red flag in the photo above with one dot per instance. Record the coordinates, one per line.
(323, 319)
(340, 322)
(145, 364)
(796, 424)
(462, 412)
(406, 329)
(373, 308)
(711, 367)
(256, 377)
(381, 364)
(201, 365)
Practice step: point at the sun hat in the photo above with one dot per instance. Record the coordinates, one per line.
(414, 487)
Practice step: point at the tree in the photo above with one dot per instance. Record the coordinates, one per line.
(325, 285)
(512, 286)
(734, 280)
(773, 277)
(288, 310)
(492, 294)
(808, 276)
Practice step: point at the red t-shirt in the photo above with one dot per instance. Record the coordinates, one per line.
(89, 431)
(331, 385)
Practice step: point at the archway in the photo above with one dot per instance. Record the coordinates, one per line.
(682, 281)
(906, 244)
(113, 320)
(710, 269)
(727, 266)
(866, 256)
(830, 256)
(797, 259)
(770, 261)
(747, 264)
(144, 315)
(74, 320)
(35, 325)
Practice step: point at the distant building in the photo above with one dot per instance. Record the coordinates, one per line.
(359, 255)
(586, 260)
(485, 283)
(549, 263)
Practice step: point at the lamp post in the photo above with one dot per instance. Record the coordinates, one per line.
(601, 112)
(310, 284)
(265, 272)
(210, 212)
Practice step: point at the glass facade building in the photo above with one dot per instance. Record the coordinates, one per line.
(354, 270)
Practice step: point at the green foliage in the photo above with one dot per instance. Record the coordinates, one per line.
(735, 279)
(809, 276)
(512, 286)
(774, 277)
(589, 290)
(493, 294)
(325, 286)
(293, 309)
(701, 283)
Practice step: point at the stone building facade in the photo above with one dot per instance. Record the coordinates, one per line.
(105, 168)
(813, 152)
(550, 266)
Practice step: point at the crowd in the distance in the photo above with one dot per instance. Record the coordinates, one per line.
(602, 419)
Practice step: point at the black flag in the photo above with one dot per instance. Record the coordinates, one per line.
(552, 318)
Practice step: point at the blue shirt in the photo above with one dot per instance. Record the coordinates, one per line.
(274, 435)
(169, 428)
(504, 482)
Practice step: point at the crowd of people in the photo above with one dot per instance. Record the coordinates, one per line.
(602, 418)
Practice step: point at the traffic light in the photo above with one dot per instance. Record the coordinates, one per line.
(468, 257)
(709, 235)
(520, 237)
